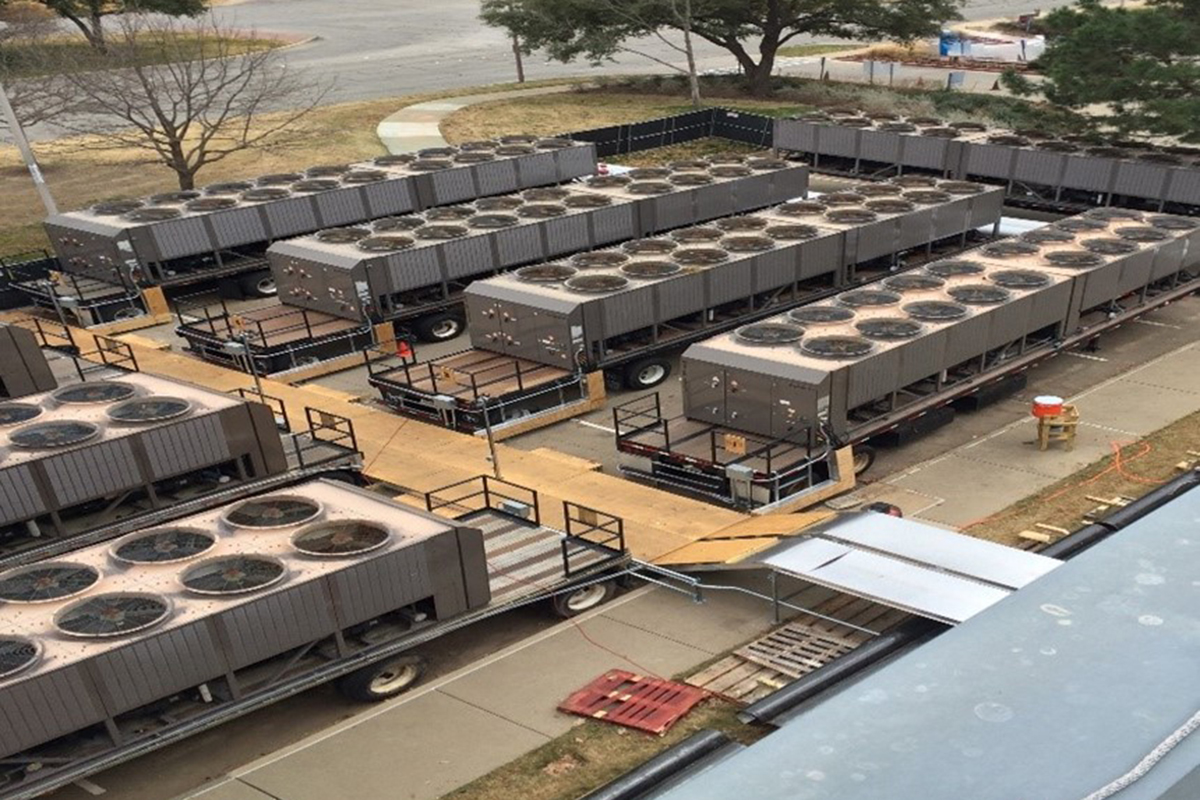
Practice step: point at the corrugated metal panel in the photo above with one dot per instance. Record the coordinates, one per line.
(92, 472)
(44, 707)
(277, 622)
(1043, 167)
(576, 162)
(237, 226)
(412, 269)
(984, 209)
(670, 211)
(613, 224)
(370, 588)
(566, 234)
(150, 669)
(341, 206)
(1101, 285)
(822, 256)
(1135, 271)
(178, 448)
(989, 160)
(20, 497)
(872, 377)
(634, 310)
(520, 245)
(967, 338)
(1050, 305)
(1172, 257)
(836, 140)
(882, 146)
(709, 202)
(680, 296)
(729, 281)
(180, 237)
(789, 184)
(497, 177)
(877, 239)
(470, 256)
(949, 218)
(1184, 186)
(1010, 321)
(752, 191)
(922, 358)
(775, 269)
(915, 229)
(1088, 173)
(924, 152)
(1138, 179)
(452, 185)
(290, 217)
(390, 197)
(794, 134)
(537, 169)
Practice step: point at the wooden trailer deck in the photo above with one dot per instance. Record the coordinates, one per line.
(470, 374)
(273, 325)
(717, 445)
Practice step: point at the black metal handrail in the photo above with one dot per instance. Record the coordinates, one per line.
(114, 353)
(338, 430)
(276, 404)
(629, 420)
(590, 531)
(492, 490)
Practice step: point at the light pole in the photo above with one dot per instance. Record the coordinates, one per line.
(18, 134)
(239, 349)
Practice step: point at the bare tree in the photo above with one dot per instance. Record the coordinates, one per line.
(189, 94)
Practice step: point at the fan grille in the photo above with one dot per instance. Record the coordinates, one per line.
(113, 614)
(608, 181)
(700, 256)
(837, 346)
(114, 208)
(172, 198)
(954, 268)
(45, 582)
(915, 181)
(926, 196)
(1073, 258)
(165, 546)
(545, 273)
(98, 392)
(741, 223)
(315, 185)
(691, 179)
(597, 283)
(1110, 247)
(498, 203)
(888, 328)
(365, 176)
(786, 232)
(266, 193)
(60, 433)
(877, 189)
(843, 199)
(1057, 147)
(868, 298)
(729, 171)
(542, 210)
(770, 333)
(553, 144)
(1008, 139)
(650, 269)
(1080, 225)
(747, 244)
(327, 170)
(430, 164)
(1160, 158)
(960, 187)
(934, 310)
(16, 655)
(587, 201)
(821, 315)
(648, 187)
(697, 235)
(153, 214)
(397, 223)
(342, 235)
(1048, 235)
(474, 158)
(233, 575)
(547, 194)
(441, 232)
(801, 208)
(940, 133)
(1020, 279)
(517, 138)
(968, 125)
(454, 213)
(515, 150)
(765, 163)
(979, 294)
(384, 244)
(12, 413)
(913, 283)
(1173, 223)
(1003, 250)
(1139, 234)
(279, 178)
(898, 127)
(493, 221)
(1111, 214)
(648, 173)
(850, 216)
(205, 204)
(346, 538)
(649, 246)
(602, 258)
(394, 160)
(149, 409)
(890, 206)
(272, 512)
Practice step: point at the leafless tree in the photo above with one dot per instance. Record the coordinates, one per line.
(189, 94)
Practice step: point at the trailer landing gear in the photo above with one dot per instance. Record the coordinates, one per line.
(383, 679)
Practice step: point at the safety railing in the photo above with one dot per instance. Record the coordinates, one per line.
(590, 532)
(113, 353)
(276, 404)
(331, 429)
(484, 492)
(642, 418)
(442, 378)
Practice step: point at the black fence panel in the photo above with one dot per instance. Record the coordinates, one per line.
(736, 126)
(20, 269)
(739, 126)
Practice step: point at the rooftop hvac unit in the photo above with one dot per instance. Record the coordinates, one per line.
(126, 624)
(23, 366)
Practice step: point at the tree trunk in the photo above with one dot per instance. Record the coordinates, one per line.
(95, 32)
(693, 78)
(516, 48)
(758, 76)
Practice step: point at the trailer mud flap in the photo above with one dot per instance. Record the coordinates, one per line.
(915, 428)
(992, 393)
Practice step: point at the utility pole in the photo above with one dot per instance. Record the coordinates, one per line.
(18, 134)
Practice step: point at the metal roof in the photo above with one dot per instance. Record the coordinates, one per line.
(1051, 694)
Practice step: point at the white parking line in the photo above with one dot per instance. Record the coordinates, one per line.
(1158, 324)
(1085, 355)
(595, 425)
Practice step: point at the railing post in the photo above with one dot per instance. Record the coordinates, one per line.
(537, 511)
(487, 492)
(566, 518)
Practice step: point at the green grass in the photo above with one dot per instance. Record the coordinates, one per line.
(21, 60)
(806, 50)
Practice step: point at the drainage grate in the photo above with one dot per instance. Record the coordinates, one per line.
(634, 701)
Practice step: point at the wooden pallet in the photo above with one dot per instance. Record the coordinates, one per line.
(795, 650)
(635, 701)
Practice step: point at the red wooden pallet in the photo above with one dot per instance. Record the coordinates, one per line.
(647, 704)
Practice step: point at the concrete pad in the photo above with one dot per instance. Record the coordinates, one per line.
(231, 789)
(1136, 409)
(974, 489)
(415, 750)
(1177, 373)
(1017, 448)
(911, 503)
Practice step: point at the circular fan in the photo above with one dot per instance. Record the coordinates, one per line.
(515, 150)
(599, 259)
(474, 158)
(968, 125)
(792, 232)
(47, 581)
(648, 187)
(430, 164)
(1110, 247)
(1008, 139)
(812, 116)
(1033, 133)
(453, 213)
(493, 221)
(1173, 223)
(343, 538)
(114, 614)
(397, 224)
(926, 121)
(498, 203)
(482, 144)
(163, 546)
(608, 181)
(206, 204)
(1055, 146)
(843, 199)
(935, 310)
(98, 392)
(1107, 152)
(926, 196)
(647, 247)
(747, 244)
(953, 268)
(729, 171)
(149, 409)
(327, 170)
(868, 298)
(940, 133)
(1129, 144)
(587, 201)
(648, 173)
(960, 187)
(1002, 250)
(1020, 279)
(12, 413)
(915, 181)
(698, 234)
(882, 115)
(691, 179)
(342, 235)
(837, 346)
(890, 206)
(650, 269)
(889, 328)
(741, 223)
(173, 198)
(877, 189)
(700, 256)
(279, 178)
(596, 284)
(237, 574)
(769, 333)
(546, 273)
(1160, 158)
(854, 122)
(542, 210)
(979, 294)
(440, 232)
(436, 152)
(821, 315)
(278, 511)
(689, 164)
(115, 208)
(735, 158)
(850, 216)
(1111, 214)
(16, 654)
(1139, 234)
(843, 111)
(394, 160)
(1080, 225)
(384, 244)
(549, 194)
(1048, 235)
(518, 138)
(364, 176)
(153, 214)
(898, 127)
(266, 193)
(1181, 150)
(913, 282)
(801, 208)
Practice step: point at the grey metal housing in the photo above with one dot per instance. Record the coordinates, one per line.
(23, 367)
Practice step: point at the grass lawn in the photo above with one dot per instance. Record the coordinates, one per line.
(806, 50)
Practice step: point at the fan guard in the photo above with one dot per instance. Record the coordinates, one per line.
(542, 210)
(266, 193)
(979, 294)
(98, 392)
(1160, 158)
(114, 614)
(960, 187)
(327, 170)
(843, 199)
(890, 206)
(850, 216)
(926, 196)
(765, 163)
(1008, 139)
(913, 282)
(915, 181)
(1020, 279)
(13, 413)
(236, 574)
(1080, 225)
(821, 315)
(655, 247)
(608, 181)
(397, 224)
(430, 164)
(385, 244)
(517, 138)
(545, 273)
(58, 433)
(436, 152)
(279, 178)
(546, 194)
(697, 234)
(868, 298)
(801, 208)
(1112, 214)
(741, 223)
(164, 546)
(1173, 223)
(691, 179)
(1110, 247)
(440, 232)
(482, 144)
(206, 204)
(515, 150)
(700, 256)
(791, 232)
(342, 538)
(553, 144)
(729, 171)
(648, 270)
(149, 409)
(1011, 249)
(1141, 234)
(444, 213)
(599, 259)
(889, 328)
(935, 310)
(898, 127)
(278, 511)
(493, 221)
(648, 173)
(769, 333)
(877, 189)
(342, 235)
(115, 208)
(498, 203)
(968, 125)
(17, 654)
(954, 268)
(837, 346)
(364, 176)
(173, 198)
(44, 582)
(1055, 146)
(649, 187)
(1048, 235)
(596, 284)
(926, 120)
(394, 160)
(940, 133)
(854, 122)
(747, 244)
(587, 201)
(153, 214)
(477, 157)
(733, 158)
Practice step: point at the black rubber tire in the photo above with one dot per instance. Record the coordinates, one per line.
(361, 685)
(440, 327)
(635, 376)
(602, 592)
(254, 284)
(864, 457)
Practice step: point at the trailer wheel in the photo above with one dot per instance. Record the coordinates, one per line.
(585, 598)
(259, 284)
(864, 457)
(383, 679)
(647, 373)
(438, 327)
(128, 312)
